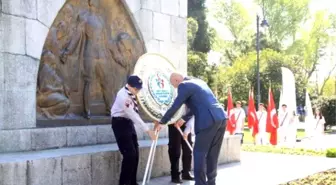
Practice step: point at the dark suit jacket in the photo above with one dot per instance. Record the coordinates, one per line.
(199, 98)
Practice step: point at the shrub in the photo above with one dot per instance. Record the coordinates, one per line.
(328, 107)
(282, 150)
(331, 152)
(323, 178)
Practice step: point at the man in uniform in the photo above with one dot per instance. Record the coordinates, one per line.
(174, 151)
(210, 123)
(239, 115)
(262, 138)
(125, 114)
(285, 118)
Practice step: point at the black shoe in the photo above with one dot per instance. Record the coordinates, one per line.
(188, 177)
(177, 181)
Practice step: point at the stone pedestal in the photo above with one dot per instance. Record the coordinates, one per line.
(90, 165)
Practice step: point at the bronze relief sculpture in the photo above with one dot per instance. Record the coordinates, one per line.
(87, 57)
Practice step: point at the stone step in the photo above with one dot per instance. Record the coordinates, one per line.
(90, 165)
(35, 139)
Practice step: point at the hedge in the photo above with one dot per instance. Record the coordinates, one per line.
(327, 105)
(282, 150)
(323, 178)
(331, 152)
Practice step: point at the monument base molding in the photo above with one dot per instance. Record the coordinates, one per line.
(90, 165)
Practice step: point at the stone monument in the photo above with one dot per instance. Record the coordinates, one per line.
(91, 48)
(61, 62)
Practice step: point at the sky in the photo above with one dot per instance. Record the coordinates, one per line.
(315, 5)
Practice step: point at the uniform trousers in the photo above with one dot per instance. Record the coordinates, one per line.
(174, 150)
(127, 141)
(206, 152)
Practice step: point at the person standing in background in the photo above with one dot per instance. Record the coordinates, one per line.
(262, 137)
(285, 119)
(318, 130)
(240, 116)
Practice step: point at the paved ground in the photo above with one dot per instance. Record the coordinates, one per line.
(264, 169)
(328, 141)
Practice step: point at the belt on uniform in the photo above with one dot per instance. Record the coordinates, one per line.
(120, 118)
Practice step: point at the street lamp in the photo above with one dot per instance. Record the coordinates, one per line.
(263, 24)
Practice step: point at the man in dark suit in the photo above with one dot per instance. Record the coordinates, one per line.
(210, 123)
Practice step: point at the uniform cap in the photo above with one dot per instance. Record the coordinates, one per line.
(134, 81)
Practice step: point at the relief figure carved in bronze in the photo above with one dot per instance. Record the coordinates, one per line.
(53, 94)
(91, 59)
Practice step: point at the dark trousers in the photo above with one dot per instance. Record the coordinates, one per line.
(206, 151)
(174, 150)
(127, 141)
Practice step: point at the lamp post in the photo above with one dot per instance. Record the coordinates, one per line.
(263, 24)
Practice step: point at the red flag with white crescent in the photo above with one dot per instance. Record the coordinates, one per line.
(272, 123)
(231, 126)
(252, 115)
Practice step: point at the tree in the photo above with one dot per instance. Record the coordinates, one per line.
(236, 19)
(285, 17)
(197, 10)
(192, 30)
(242, 75)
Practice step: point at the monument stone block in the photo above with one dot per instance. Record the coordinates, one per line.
(22, 8)
(133, 5)
(105, 134)
(77, 170)
(105, 168)
(170, 7)
(179, 30)
(145, 21)
(47, 10)
(153, 46)
(35, 36)
(183, 8)
(17, 114)
(1, 110)
(12, 37)
(45, 171)
(15, 140)
(154, 5)
(48, 138)
(183, 57)
(13, 173)
(161, 27)
(77, 136)
(20, 73)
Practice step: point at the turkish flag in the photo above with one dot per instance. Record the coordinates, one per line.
(252, 118)
(272, 123)
(231, 126)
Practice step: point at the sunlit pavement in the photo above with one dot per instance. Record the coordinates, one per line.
(264, 169)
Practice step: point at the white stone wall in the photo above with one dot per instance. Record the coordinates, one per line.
(24, 26)
(163, 24)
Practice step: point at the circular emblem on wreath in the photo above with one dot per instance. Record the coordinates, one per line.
(157, 94)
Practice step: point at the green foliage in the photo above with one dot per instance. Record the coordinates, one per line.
(282, 150)
(242, 75)
(284, 17)
(197, 64)
(329, 88)
(192, 30)
(197, 10)
(327, 105)
(331, 152)
(323, 178)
